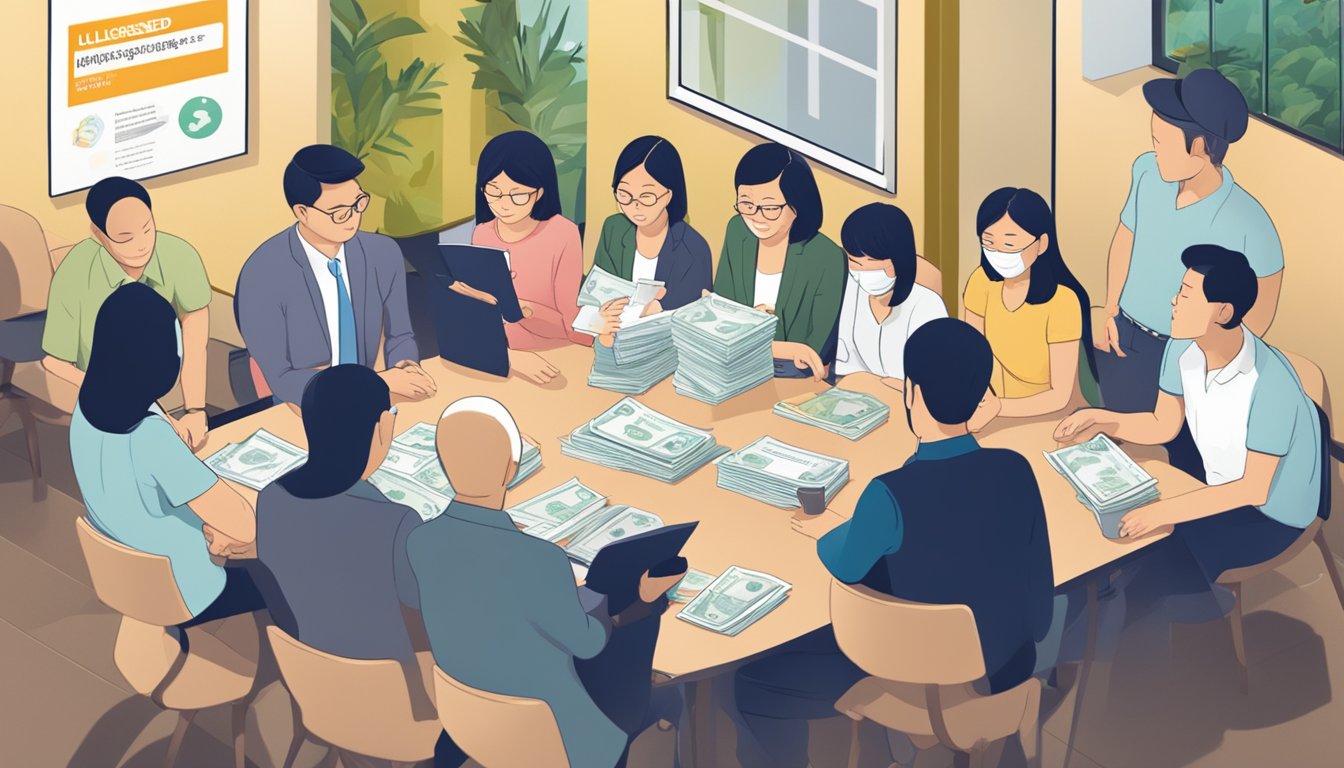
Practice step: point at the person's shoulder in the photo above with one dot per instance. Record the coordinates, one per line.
(615, 224)
(80, 256)
(172, 246)
(1003, 464)
(1144, 165)
(1065, 301)
(822, 243)
(1274, 372)
(561, 227)
(736, 229)
(154, 434)
(1242, 207)
(1176, 348)
(379, 247)
(922, 295)
(265, 254)
(691, 237)
(977, 279)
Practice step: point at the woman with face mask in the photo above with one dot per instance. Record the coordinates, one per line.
(775, 260)
(883, 304)
(1030, 307)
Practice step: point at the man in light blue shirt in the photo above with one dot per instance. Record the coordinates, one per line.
(1257, 433)
(1180, 195)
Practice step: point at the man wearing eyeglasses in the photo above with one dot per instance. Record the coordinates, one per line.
(323, 293)
(125, 246)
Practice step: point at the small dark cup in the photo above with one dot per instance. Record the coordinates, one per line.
(812, 500)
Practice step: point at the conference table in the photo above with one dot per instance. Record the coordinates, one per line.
(735, 529)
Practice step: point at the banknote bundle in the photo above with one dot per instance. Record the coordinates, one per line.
(692, 584)
(723, 348)
(257, 461)
(773, 471)
(600, 287)
(735, 600)
(579, 518)
(1106, 480)
(642, 355)
(846, 413)
(635, 438)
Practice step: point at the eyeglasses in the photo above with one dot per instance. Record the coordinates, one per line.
(770, 212)
(342, 213)
(517, 198)
(645, 199)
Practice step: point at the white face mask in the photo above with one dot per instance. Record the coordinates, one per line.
(1005, 263)
(873, 282)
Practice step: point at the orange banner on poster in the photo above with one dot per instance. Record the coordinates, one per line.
(143, 51)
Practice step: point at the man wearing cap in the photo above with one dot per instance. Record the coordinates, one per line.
(322, 293)
(1180, 195)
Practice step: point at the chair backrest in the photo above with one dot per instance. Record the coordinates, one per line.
(496, 730)
(357, 704)
(25, 264)
(1313, 383)
(906, 642)
(133, 583)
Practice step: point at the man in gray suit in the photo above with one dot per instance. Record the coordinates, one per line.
(500, 607)
(323, 293)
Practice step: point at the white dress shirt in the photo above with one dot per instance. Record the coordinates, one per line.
(326, 285)
(865, 345)
(644, 268)
(1218, 408)
(767, 288)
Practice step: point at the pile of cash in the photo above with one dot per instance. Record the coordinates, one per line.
(772, 471)
(846, 413)
(579, 517)
(723, 348)
(257, 461)
(632, 437)
(1106, 480)
(692, 584)
(642, 355)
(622, 523)
(601, 287)
(411, 473)
(735, 601)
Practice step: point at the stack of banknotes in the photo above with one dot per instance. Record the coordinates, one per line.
(735, 600)
(635, 438)
(601, 287)
(772, 471)
(641, 355)
(1106, 480)
(257, 461)
(723, 348)
(846, 413)
(692, 584)
(579, 517)
(411, 474)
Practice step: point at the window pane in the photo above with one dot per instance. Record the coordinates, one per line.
(1187, 32)
(1304, 66)
(1239, 47)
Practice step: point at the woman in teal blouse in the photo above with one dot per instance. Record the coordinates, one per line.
(774, 259)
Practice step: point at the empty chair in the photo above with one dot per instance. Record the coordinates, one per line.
(496, 730)
(924, 662)
(359, 708)
(1313, 383)
(212, 665)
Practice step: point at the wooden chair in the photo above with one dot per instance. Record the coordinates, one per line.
(923, 661)
(214, 664)
(358, 708)
(1313, 382)
(499, 731)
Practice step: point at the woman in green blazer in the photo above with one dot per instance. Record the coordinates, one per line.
(774, 259)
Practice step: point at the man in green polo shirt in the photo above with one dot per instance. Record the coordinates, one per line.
(126, 247)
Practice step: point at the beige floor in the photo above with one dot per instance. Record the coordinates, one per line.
(62, 702)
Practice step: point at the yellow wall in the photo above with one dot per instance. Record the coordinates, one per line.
(627, 97)
(225, 209)
(1104, 125)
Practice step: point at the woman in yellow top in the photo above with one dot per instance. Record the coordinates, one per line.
(1029, 306)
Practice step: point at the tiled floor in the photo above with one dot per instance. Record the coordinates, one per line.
(62, 702)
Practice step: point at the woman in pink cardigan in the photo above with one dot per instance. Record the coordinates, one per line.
(518, 211)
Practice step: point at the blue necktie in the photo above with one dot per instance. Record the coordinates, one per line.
(345, 314)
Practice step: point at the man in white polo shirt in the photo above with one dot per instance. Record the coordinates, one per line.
(1257, 432)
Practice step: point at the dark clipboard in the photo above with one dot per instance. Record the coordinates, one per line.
(617, 567)
(471, 332)
(485, 269)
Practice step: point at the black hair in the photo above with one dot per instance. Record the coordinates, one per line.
(527, 160)
(1228, 278)
(134, 361)
(764, 163)
(315, 165)
(951, 363)
(341, 407)
(1030, 212)
(107, 193)
(1215, 146)
(883, 231)
(663, 163)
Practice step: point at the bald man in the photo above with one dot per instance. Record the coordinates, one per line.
(501, 608)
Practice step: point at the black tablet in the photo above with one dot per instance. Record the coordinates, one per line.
(616, 569)
(485, 269)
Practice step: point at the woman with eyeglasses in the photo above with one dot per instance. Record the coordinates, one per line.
(775, 259)
(649, 238)
(518, 211)
(1030, 307)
